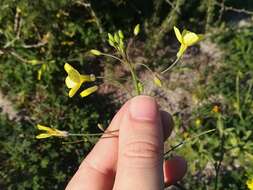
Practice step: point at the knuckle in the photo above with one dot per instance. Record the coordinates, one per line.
(142, 152)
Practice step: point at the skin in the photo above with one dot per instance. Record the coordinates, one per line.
(134, 158)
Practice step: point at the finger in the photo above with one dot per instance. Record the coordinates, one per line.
(97, 171)
(167, 123)
(140, 147)
(174, 170)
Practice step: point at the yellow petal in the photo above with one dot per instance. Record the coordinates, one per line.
(190, 38)
(43, 128)
(181, 50)
(178, 34)
(250, 184)
(70, 83)
(73, 91)
(43, 135)
(88, 91)
(73, 73)
(184, 32)
(68, 67)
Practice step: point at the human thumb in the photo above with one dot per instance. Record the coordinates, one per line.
(140, 155)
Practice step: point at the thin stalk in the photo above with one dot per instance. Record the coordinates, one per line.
(127, 62)
(92, 134)
(145, 67)
(110, 79)
(112, 56)
(132, 71)
(171, 66)
(135, 81)
(238, 107)
(218, 166)
(79, 141)
(187, 140)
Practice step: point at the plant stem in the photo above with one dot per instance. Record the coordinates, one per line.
(132, 71)
(127, 62)
(141, 64)
(135, 81)
(93, 134)
(171, 66)
(112, 56)
(187, 140)
(238, 106)
(218, 166)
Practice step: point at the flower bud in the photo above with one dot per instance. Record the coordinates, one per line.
(137, 29)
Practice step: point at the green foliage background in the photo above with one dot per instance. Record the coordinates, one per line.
(70, 29)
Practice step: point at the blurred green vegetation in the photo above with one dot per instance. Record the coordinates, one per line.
(40, 36)
(229, 151)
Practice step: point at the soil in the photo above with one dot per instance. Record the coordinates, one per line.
(7, 108)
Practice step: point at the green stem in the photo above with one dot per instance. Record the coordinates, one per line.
(187, 140)
(93, 134)
(125, 61)
(218, 166)
(112, 56)
(238, 106)
(132, 71)
(135, 81)
(141, 64)
(171, 66)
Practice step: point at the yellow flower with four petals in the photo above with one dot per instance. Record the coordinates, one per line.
(49, 132)
(250, 184)
(74, 80)
(186, 39)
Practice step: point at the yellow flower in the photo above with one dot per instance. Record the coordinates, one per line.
(74, 80)
(198, 122)
(216, 109)
(186, 39)
(49, 132)
(250, 183)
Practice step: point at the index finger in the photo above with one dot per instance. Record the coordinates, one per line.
(97, 171)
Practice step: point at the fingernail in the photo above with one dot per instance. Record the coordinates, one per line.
(143, 108)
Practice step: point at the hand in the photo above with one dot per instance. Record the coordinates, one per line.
(133, 160)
